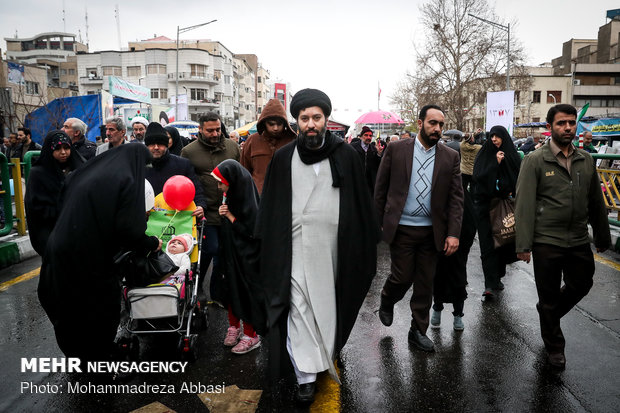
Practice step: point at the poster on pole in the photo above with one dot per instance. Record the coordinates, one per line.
(183, 109)
(500, 110)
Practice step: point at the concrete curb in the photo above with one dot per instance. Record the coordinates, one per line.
(15, 249)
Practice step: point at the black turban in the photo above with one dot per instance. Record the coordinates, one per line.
(306, 98)
(155, 135)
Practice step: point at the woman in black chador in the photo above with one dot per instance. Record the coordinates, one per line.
(495, 176)
(239, 254)
(102, 213)
(46, 179)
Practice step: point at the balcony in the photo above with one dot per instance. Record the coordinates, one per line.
(91, 80)
(194, 77)
(212, 103)
(597, 90)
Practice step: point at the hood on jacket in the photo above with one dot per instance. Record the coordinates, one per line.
(274, 109)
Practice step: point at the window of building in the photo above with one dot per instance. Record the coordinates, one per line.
(32, 88)
(536, 96)
(557, 94)
(91, 92)
(198, 94)
(517, 96)
(155, 69)
(260, 94)
(63, 84)
(134, 71)
(91, 72)
(227, 79)
(198, 70)
(259, 80)
(63, 72)
(536, 119)
(71, 72)
(112, 71)
(159, 93)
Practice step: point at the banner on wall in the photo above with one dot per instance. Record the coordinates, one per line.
(122, 88)
(500, 110)
(600, 127)
(16, 73)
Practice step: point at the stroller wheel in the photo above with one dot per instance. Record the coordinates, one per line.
(200, 318)
(188, 346)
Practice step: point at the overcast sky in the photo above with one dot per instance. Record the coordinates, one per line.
(344, 48)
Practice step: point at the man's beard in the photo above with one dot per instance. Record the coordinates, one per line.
(213, 140)
(427, 138)
(562, 140)
(312, 141)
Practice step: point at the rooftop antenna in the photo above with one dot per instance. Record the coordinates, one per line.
(86, 19)
(118, 25)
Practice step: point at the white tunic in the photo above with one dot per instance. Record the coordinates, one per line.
(312, 316)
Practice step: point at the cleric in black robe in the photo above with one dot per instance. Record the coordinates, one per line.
(357, 235)
(492, 179)
(239, 249)
(103, 212)
(46, 179)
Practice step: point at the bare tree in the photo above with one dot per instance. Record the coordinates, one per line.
(460, 59)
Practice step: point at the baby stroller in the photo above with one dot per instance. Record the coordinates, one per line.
(173, 307)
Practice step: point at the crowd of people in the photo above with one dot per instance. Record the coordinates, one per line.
(293, 220)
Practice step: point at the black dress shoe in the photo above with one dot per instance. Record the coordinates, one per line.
(557, 360)
(420, 340)
(386, 314)
(305, 393)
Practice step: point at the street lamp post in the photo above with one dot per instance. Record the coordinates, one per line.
(555, 102)
(507, 29)
(176, 93)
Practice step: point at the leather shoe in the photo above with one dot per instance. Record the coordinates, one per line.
(420, 340)
(557, 360)
(386, 315)
(305, 393)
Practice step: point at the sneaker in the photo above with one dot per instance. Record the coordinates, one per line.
(246, 344)
(458, 323)
(488, 293)
(500, 286)
(435, 319)
(232, 336)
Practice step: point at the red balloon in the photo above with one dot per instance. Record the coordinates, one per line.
(179, 192)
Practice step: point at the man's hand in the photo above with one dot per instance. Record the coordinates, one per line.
(198, 212)
(450, 246)
(524, 256)
(379, 146)
(159, 245)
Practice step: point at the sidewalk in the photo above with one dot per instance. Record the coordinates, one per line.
(15, 249)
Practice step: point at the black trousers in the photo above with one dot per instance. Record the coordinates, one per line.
(551, 264)
(414, 259)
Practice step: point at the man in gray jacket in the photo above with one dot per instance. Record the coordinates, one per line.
(558, 194)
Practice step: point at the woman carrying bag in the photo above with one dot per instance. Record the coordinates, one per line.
(494, 182)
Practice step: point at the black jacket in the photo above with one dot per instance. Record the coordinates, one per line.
(85, 148)
(370, 162)
(169, 165)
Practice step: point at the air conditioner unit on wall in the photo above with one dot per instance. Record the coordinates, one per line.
(576, 82)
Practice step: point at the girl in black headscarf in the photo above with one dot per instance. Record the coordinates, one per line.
(46, 179)
(239, 252)
(177, 143)
(102, 213)
(495, 176)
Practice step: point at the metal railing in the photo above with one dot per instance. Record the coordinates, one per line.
(610, 183)
(12, 170)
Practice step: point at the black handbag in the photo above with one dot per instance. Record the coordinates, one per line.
(502, 215)
(141, 270)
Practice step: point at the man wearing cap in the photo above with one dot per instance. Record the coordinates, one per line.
(115, 131)
(76, 130)
(419, 199)
(138, 125)
(314, 202)
(370, 155)
(166, 165)
(205, 153)
(273, 133)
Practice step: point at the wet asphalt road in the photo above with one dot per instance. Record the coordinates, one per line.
(496, 364)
